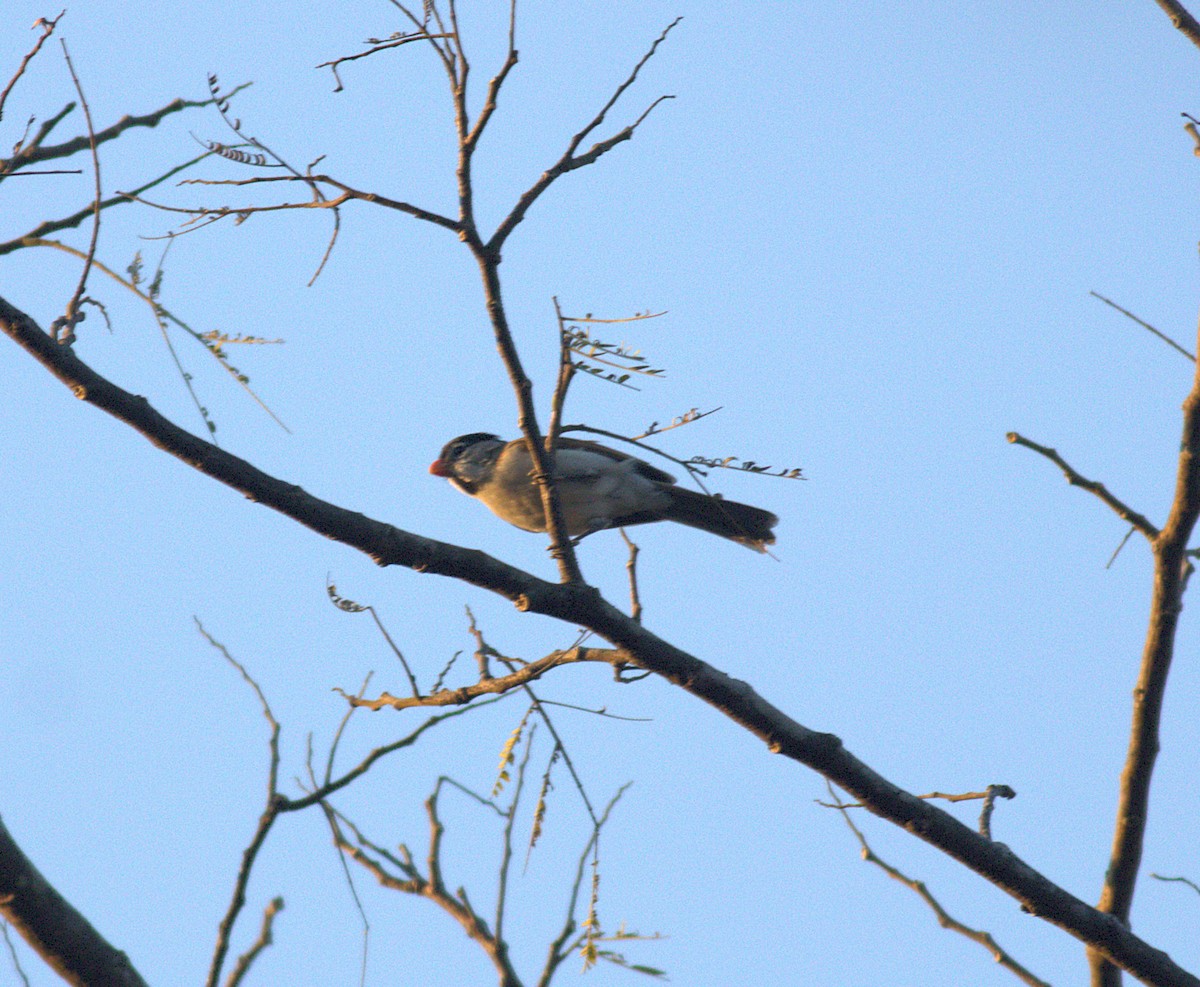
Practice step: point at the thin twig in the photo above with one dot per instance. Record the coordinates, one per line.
(162, 314)
(161, 320)
(992, 792)
(692, 415)
(602, 711)
(349, 606)
(330, 817)
(944, 919)
(47, 26)
(566, 372)
(74, 219)
(266, 820)
(327, 809)
(569, 160)
(1145, 325)
(363, 766)
(46, 127)
(506, 838)
(34, 153)
(412, 679)
(989, 804)
(635, 602)
(541, 711)
(561, 947)
(72, 316)
(431, 886)
(1192, 132)
(404, 39)
(1092, 486)
(12, 947)
(1191, 884)
(494, 686)
(246, 960)
(497, 81)
(1117, 551)
(348, 193)
(337, 735)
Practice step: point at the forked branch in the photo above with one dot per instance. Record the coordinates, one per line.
(33, 152)
(570, 160)
(1172, 567)
(581, 606)
(489, 685)
(944, 918)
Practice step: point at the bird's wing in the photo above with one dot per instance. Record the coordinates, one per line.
(574, 461)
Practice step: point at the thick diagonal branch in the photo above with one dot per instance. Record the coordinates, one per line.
(582, 606)
(54, 929)
(1181, 19)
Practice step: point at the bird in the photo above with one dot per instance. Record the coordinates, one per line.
(597, 487)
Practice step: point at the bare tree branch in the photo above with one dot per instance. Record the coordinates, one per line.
(43, 230)
(563, 946)
(1105, 930)
(1184, 21)
(582, 606)
(944, 918)
(12, 954)
(1092, 486)
(363, 766)
(246, 960)
(276, 805)
(33, 153)
(1191, 884)
(1172, 568)
(404, 39)
(349, 193)
(410, 881)
(488, 685)
(1145, 325)
(64, 329)
(570, 160)
(349, 606)
(67, 941)
(47, 25)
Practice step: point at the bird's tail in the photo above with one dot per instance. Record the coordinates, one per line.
(749, 526)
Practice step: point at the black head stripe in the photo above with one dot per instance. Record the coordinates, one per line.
(456, 447)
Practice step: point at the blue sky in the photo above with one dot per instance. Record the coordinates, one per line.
(875, 229)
